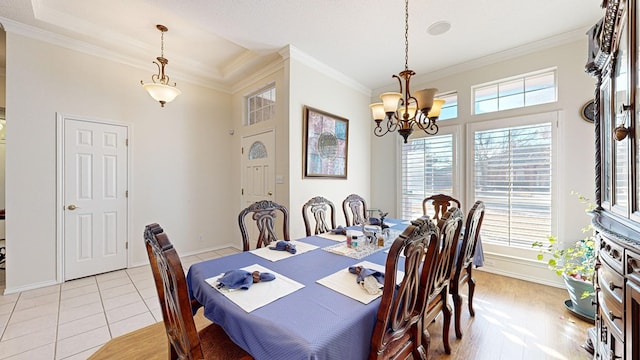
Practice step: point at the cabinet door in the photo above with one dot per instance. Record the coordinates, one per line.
(621, 148)
(635, 83)
(606, 129)
(632, 332)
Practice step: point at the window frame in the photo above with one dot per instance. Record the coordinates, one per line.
(247, 103)
(457, 107)
(455, 130)
(523, 77)
(557, 206)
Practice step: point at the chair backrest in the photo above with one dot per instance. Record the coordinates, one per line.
(470, 238)
(355, 210)
(398, 329)
(323, 211)
(441, 203)
(449, 231)
(171, 285)
(265, 214)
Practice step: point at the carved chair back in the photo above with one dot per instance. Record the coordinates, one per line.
(323, 212)
(398, 330)
(449, 227)
(440, 203)
(355, 210)
(171, 285)
(464, 264)
(264, 213)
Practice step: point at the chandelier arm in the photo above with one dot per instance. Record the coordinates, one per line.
(430, 127)
(393, 123)
(156, 77)
(379, 131)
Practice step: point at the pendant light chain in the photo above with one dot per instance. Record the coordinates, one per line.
(161, 43)
(406, 35)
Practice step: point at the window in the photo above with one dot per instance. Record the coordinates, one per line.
(261, 106)
(512, 175)
(450, 108)
(427, 169)
(517, 92)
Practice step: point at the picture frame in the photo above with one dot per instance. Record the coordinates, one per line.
(326, 144)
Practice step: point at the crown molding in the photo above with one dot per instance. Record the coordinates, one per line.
(530, 48)
(35, 33)
(291, 52)
(266, 70)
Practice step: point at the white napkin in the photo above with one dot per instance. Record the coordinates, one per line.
(334, 237)
(345, 283)
(259, 294)
(275, 255)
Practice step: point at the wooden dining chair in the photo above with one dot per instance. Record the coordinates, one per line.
(265, 213)
(464, 263)
(324, 214)
(440, 203)
(185, 342)
(355, 210)
(398, 330)
(449, 227)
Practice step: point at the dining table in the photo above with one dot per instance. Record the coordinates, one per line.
(314, 309)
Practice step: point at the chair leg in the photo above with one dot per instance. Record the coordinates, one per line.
(471, 283)
(426, 339)
(457, 306)
(446, 322)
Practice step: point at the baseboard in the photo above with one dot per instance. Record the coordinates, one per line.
(39, 285)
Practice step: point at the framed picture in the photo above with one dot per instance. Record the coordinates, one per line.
(326, 139)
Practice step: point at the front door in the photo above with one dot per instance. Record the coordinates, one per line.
(95, 198)
(258, 172)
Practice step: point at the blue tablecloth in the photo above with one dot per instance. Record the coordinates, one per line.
(314, 322)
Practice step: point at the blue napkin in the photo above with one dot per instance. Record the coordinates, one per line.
(363, 272)
(284, 246)
(242, 279)
(340, 230)
(374, 221)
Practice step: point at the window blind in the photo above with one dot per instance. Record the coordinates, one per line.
(427, 169)
(512, 175)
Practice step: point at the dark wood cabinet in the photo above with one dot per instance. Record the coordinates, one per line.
(614, 61)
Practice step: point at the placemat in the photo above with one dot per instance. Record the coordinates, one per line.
(345, 283)
(275, 255)
(259, 294)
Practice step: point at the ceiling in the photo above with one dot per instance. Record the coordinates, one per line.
(219, 41)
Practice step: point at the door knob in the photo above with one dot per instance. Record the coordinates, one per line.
(72, 207)
(269, 193)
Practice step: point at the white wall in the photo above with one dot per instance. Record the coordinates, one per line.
(312, 85)
(178, 177)
(575, 151)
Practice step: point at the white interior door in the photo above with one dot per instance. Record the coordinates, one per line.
(95, 198)
(258, 171)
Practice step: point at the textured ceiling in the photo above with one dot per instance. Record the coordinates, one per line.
(220, 40)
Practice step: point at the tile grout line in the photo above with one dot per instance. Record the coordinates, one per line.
(10, 316)
(55, 341)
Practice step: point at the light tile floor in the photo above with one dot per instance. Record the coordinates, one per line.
(72, 320)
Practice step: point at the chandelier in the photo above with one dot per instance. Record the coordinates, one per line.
(159, 88)
(402, 111)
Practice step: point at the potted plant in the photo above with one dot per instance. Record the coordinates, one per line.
(576, 265)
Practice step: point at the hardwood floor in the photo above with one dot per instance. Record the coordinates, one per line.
(514, 319)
